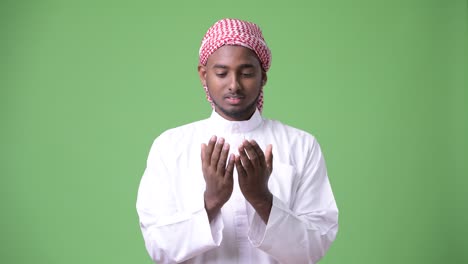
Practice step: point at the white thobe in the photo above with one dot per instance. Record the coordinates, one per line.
(303, 221)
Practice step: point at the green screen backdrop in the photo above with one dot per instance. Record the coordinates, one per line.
(86, 86)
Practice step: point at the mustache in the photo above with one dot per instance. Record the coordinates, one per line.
(234, 95)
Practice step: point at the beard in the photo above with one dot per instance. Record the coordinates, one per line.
(238, 114)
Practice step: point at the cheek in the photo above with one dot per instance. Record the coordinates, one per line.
(215, 87)
(213, 81)
(253, 85)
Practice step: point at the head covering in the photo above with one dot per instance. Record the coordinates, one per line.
(235, 32)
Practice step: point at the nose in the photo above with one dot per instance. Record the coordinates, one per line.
(234, 84)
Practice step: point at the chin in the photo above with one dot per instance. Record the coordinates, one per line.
(237, 114)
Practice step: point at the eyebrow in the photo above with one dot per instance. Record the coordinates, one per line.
(242, 66)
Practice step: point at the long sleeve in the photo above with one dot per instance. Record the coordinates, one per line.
(300, 230)
(303, 221)
(172, 233)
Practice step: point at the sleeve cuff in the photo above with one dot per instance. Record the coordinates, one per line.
(206, 233)
(216, 227)
(258, 229)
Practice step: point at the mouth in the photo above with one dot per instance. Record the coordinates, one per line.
(234, 99)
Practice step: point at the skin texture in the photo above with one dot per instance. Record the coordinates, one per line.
(233, 72)
(234, 77)
(218, 177)
(254, 169)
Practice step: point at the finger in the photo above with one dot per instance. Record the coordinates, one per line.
(209, 150)
(203, 159)
(259, 151)
(230, 168)
(269, 158)
(216, 153)
(244, 159)
(222, 159)
(251, 153)
(240, 169)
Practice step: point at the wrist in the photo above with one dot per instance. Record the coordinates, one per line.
(263, 206)
(264, 202)
(212, 206)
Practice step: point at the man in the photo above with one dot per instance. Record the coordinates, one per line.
(236, 188)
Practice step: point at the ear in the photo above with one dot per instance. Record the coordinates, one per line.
(264, 78)
(202, 74)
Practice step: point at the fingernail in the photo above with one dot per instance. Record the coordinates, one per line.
(213, 138)
(226, 146)
(221, 141)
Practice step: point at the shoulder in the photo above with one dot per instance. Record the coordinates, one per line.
(173, 142)
(294, 145)
(279, 128)
(177, 135)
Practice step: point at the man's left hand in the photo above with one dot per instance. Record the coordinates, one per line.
(254, 169)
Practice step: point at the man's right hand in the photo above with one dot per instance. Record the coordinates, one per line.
(218, 176)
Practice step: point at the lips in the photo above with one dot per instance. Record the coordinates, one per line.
(234, 99)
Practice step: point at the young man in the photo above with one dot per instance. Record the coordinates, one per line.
(236, 188)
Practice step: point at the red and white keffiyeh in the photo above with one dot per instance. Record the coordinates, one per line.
(235, 32)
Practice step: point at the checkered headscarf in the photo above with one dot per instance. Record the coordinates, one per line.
(235, 32)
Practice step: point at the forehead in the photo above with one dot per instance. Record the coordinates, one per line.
(232, 56)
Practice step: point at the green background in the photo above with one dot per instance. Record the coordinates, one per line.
(87, 85)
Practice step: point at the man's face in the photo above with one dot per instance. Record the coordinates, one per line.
(234, 79)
